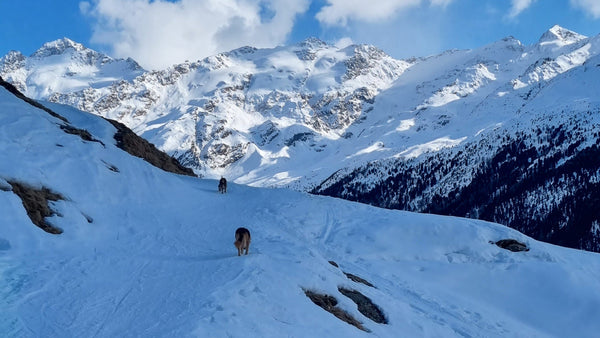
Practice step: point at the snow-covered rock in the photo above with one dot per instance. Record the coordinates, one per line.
(64, 66)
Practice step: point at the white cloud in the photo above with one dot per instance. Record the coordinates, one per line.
(590, 6)
(344, 42)
(518, 6)
(339, 12)
(84, 7)
(161, 33)
(442, 3)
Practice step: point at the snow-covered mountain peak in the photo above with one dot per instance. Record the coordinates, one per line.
(240, 52)
(64, 66)
(509, 42)
(12, 61)
(366, 51)
(13, 56)
(57, 47)
(560, 36)
(313, 43)
(66, 51)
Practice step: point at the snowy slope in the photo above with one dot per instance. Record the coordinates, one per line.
(148, 253)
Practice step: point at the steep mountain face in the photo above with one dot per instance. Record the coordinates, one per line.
(543, 182)
(315, 117)
(536, 171)
(229, 112)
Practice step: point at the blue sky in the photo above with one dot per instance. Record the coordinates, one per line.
(159, 33)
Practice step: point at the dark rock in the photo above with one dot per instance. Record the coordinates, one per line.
(357, 279)
(329, 304)
(352, 277)
(111, 167)
(139, 147)
(88, 218)
(512, 245)
(299, 137)
(365, 305)
(82, 133)
(36, 205)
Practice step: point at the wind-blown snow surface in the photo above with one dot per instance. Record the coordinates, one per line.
(158, 258)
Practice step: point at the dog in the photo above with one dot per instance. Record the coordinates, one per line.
(222, 185)
(242, 240)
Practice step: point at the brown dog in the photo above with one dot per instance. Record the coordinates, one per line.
(242, 240)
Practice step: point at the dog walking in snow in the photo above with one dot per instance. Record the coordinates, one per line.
(222, 185)
(242, 240)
